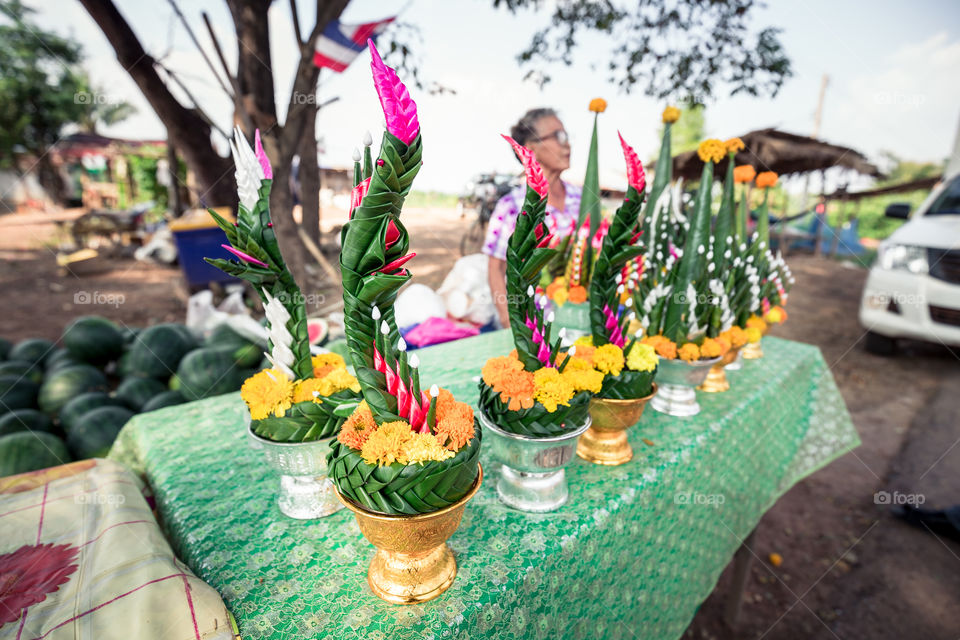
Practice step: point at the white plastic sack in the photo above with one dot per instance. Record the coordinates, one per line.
(416, 303)
(466, 291)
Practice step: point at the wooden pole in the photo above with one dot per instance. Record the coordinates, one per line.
(817, 118)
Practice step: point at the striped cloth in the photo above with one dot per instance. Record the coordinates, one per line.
(86, 559)
(340, 44)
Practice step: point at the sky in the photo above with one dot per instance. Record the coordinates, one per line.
(893, 69)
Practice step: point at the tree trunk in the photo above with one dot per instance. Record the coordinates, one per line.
(310, 179)
(188, 131)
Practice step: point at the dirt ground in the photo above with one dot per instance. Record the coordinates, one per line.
(849, 569)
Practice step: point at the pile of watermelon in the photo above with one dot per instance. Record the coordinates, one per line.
(69, 401)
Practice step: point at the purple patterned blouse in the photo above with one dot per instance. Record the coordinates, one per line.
(504, 219)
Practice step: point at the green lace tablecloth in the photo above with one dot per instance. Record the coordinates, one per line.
(632, 555)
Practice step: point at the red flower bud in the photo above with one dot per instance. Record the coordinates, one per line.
(390, 268)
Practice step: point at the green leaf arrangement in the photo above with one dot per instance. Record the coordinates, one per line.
(527, 253)
(607, 324)
(260, 262)
(374, 250)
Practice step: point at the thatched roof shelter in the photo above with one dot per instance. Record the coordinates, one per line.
(785, 153)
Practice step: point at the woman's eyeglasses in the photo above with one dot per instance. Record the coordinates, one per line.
(559, 135)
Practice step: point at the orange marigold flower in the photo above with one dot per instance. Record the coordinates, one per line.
(734, 144)
(357, 427)
(766, 179)
(455, 427)
(670, 115)
(689, 352)
(506, 376)
(711, 348)
(598, 105)
(744, 173)
(776, 315)
(664, 347)
(756, 322)
(711, 150)
(577, 294)
(736, 336)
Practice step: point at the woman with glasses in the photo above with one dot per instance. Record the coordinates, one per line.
(541, 131)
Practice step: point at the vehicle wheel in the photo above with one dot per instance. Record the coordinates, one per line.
(472, 240)
(880, 345)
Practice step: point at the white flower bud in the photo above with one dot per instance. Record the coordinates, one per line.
(367, 139)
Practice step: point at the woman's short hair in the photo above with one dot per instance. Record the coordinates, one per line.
(524, 131)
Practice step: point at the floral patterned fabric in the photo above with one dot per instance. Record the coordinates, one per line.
(504, 219)
(632, 555)
(81, 556)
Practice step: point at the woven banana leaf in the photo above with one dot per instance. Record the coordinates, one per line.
(628, 385)
(307, 421)
(399, 489)
(535, 422)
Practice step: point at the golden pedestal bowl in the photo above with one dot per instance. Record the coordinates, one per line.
(716, 381)
(413, 562)
(605, 442)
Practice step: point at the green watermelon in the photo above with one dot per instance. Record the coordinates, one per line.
(27, 370)
(209, 372)
(16, 392)
(33, 350)
(165, 399)
(61, 358)
(24, 451)
(83, 403)
(222, 334)
(157, 351)
(136, 392)
(24, 420)
(64, 384)
(5, 347)
(94, 432)
(129, 334)
(93, 339)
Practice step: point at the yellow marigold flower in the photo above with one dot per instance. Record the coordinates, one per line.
(744, 173)
(584, 341)
(385, 445)
(711, 348)
(753, 334)
(324, 363)
(575, 363)
(670, 115)
(338, 380)
(642, 357)
(267, 392)
(357, 427)
(776, 315)
(734, 144)
(598, 105)
(608, 359)
(689, 352)
(766, 179)
(757, 323)
(711, 150)
(552, 389)
(303, 390)
(560, 296)
(423, 447)
(587, 379)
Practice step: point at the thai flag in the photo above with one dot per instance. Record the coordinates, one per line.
(339, 44)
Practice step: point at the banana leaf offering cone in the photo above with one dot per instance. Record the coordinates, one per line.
(628, 365)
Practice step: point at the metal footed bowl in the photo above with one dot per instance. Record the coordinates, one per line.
(305, 490)
(532, 477)
(737, 363)
(676, 381)
(605, 442)
(413, 562)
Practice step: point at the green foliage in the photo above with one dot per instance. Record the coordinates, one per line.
(720, 45)
(40, 82)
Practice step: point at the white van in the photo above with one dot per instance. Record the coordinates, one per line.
(913, 290)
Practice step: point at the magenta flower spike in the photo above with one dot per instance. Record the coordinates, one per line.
(244, 256)
(399, 110)
(636, 177)
(262, 156)
(531, 167)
